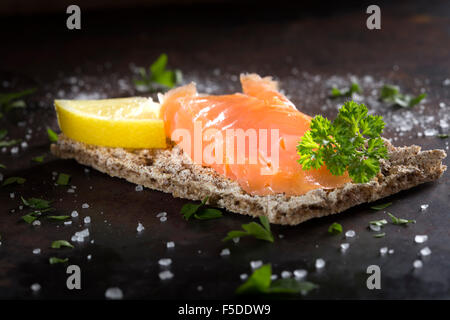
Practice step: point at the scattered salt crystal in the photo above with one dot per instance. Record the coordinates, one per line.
(199, 288)
(236, 240)
(446, 82)
(12, 195)
(256, 264)
(165, 275)
(37, 251)
(350, 233)
(424, 207)
(273, 277)
(140, 227)
(87, 220)
(243, 276)
(24, 145)
(300, 274)
(84, 206)
(74, 238)
(54, 173)
(425, 251)
(14, 150)
(225, 252)
(70, 190)
(320, 263)
(383, 251)
(163, 219)
(89, 257)
(35, 287)
(170, 244)
(344, 247)
(417, 264)
(281, 236)
(74, 214)
(36, 223)
(420, 238)
(86, 170)
(165, 262)
(286, 274)
(391, 251)
(161, 214)
(430, 132)
(114, 293)
(139, 188)
(374, 227)
(67, 223)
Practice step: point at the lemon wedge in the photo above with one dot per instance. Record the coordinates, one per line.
(124, 122)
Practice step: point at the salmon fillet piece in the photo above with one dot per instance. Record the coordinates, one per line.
(249, 137)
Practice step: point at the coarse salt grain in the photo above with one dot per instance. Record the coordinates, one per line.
(417, 264)
(163, 219)
(165, 262)
(89, 257)
(350, 233)
(424, 207)
(37, 251)
(139, 188)
(274, 277)
(286, 274)
(170, 244)
(114, 293)
(344, 247)
(420, 238)
(243, 276)
(12, 195)
(36, 223)
(161, 214)
(225, 252)
(84, 206)
(35, 287)
(425, 251)
(320, 263)
(375, 227)
(391, 251)
(87, 220)
(165, 275)
(140, 227)
(67, 223)
(74, 214)
(236, 240)
(256, 264)
(300, 274)
(383, 251)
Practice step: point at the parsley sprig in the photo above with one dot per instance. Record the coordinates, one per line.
(391, 94)
(345, 92)
(352, 143)
(199, 211)
(260, 282)
(157, 76)
(12, 100)
(259, 231)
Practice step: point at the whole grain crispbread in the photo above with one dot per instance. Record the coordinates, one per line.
(170, 171)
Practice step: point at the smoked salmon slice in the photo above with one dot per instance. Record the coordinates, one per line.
(249, 137)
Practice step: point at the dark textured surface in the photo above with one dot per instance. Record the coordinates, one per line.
(41, 53)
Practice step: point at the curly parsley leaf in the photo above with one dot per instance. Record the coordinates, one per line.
(38, 159)
(352, 143)
(63, 179)
(157, 76)
(259, 231)
(36, 203)
(52, 135)
(9, 101)
(199, 212)
(61, 243)
(54, 260)
(12, 180)
(335, 228)
(391, 94)
(381, 206)
(400, 221)
(260, 283)
(346, 92)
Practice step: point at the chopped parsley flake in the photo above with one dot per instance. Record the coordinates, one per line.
(391, 94)
(259, 231)
(335, 228)
(63, 179)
